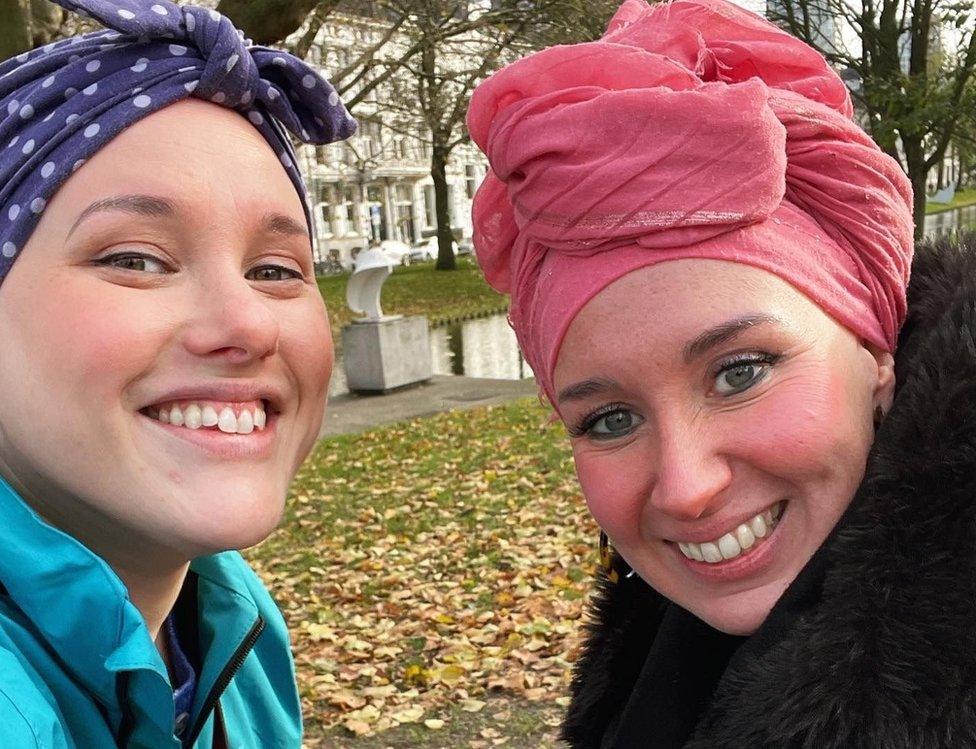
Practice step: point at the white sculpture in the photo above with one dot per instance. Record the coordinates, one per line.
(381, 352)
(363, 290)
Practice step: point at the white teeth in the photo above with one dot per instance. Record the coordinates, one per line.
(729, 546)
(245, 424)
(745, 536)
(193, 417)
(196, 416)
(711, 553)
(227, 422)
(209, 416)
(732, 544)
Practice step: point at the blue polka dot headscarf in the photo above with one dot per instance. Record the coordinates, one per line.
(61, 103)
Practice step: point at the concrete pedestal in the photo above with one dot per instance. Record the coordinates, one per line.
(386, 354)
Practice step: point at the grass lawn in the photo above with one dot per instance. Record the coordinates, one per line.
(963, 197)
(418, 289)
(434, 574)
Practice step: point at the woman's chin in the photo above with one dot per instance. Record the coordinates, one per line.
(739, 613)
(237, 520)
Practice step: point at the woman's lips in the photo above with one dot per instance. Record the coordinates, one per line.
(735, 555)
(253, 445)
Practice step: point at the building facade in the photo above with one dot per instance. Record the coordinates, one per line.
(377, 186)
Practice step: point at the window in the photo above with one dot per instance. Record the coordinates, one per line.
(373, 132)
(345, 213)
(325, 210)
(430, 209)
(451, 203)
(471, 180)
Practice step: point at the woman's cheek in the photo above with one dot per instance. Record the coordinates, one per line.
(610, 490)
(806, 424)
(307, 350)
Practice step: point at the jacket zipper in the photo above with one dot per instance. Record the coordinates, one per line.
(235, 662)
(223, 679)
(128, 719)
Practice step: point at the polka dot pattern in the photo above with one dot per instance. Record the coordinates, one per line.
(151, 53)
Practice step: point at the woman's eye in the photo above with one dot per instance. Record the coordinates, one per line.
(739, 376)
(135, 262)
(273, 273)
(614, 423)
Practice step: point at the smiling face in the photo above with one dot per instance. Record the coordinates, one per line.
(721, 438)
(172, 273)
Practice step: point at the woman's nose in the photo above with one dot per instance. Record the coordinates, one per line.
(231, 321)
(691, 472)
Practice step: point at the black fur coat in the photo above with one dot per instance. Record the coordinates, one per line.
(874, 645)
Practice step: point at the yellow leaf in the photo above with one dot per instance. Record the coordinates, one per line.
(472, 706)
(450, 673)
(408, 715)
(358, 727)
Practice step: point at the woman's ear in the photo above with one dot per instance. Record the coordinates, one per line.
(884, 388)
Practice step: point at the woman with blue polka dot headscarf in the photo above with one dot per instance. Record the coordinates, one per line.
(164, 358)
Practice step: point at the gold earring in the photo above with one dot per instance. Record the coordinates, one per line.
(611, 562)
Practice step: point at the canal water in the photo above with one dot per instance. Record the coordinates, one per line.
(937, 224)
(484, 347)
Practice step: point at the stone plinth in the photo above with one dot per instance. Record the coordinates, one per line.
(386, 354)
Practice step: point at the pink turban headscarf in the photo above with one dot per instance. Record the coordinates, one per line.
(692, 129)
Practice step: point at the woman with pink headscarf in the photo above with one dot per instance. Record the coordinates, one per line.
(708, 264)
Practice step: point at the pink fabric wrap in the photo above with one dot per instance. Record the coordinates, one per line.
(693, 129)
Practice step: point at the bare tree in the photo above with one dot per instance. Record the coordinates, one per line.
(451, 45)
(909, 64)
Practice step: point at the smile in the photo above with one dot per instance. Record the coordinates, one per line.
(733, 543)
(229, 418)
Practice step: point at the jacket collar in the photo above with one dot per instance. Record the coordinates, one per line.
(81, 610)
(874, 643)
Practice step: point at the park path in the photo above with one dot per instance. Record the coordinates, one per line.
(350, 413)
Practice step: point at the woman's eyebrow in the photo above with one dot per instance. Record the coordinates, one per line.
(142, 205)
(725, 332)
(279, 223)
(586, 388)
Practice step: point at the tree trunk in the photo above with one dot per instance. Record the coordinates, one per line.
(918, 175)
(445, 237)
(15, 32)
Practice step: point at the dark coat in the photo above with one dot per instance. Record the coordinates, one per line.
(874, 645)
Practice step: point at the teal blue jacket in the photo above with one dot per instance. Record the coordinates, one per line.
(78, 667)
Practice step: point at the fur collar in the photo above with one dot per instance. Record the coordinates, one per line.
(879, 649)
